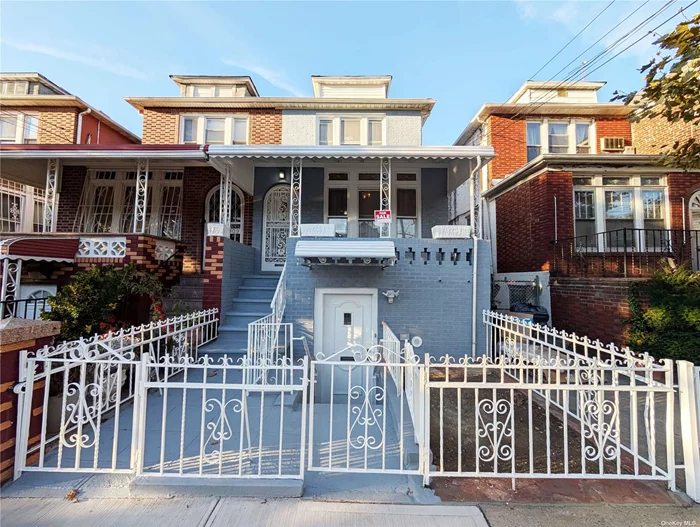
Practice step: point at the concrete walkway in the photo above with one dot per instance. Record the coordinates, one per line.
(230, 512)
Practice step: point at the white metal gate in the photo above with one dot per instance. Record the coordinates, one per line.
(275, 228)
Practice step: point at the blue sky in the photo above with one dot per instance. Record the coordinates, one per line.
(461, 54)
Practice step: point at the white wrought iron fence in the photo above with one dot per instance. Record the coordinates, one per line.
(78, 383)
(279, 300)
(543, 404)
(391, 353)
(359, 421)
(211, 423)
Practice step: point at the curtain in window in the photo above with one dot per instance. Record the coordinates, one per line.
(533, 134)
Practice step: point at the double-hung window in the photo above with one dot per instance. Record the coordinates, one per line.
(215, 131)
(350, 132)
(8, 128)
(583, 144)
(534, 140)
(558, 138)
(190, 127)
(325, 132)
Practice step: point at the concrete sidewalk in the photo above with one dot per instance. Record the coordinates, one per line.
(230, 512)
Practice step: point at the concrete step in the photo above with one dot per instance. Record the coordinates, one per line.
(260, 292)
(261, 280)
(242, 318)
(249, 305)
(228, 342)
(158, 487)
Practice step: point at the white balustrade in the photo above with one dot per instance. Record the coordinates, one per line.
(102, 247)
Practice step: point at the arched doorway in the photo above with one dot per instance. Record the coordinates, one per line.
(694, 213)
(212, 212)
(275, 228)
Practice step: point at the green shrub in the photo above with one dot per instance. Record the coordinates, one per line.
(666, 315)
(94, 299)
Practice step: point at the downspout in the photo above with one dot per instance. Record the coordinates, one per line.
(99, 125)
(475, 260)
(80, 125)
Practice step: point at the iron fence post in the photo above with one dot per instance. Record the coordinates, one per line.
(624, 251)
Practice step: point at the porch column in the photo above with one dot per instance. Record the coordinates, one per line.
(475, 208)
(141, 196)
(11, 273)
(385, 194)
(49, 223)
(225, 201)
(295, 199)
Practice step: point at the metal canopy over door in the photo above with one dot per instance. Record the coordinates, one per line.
(275, 228)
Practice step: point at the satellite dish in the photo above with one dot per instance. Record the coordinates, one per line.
(416, 342)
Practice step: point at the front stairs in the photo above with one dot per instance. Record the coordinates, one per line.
(253, 302)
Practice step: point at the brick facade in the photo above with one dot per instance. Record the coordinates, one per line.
(161, 125)
(653, 136)
(213, 272)
(508, 138)
(681, 187)
(614, 127)
(57, 126)
(19, 335)
(525, 221)
(594, 307)
(70, 192)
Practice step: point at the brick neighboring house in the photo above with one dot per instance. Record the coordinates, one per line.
(576, 191)
(230, 188)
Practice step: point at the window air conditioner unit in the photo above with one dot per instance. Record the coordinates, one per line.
(612, 144)
(630, 150)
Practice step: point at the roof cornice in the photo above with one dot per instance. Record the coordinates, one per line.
(425, 106)
(599, 163)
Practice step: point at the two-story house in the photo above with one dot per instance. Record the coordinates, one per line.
(576, 190)
(329, 202)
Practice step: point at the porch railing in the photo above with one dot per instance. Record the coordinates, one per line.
(28, 308)
(624, 252)
(391, 353)
(268, 336)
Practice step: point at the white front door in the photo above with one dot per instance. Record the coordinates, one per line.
(275, 228)
(345, 319)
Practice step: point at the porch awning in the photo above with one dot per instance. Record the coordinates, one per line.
(345, 252)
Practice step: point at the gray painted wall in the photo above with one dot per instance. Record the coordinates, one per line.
(433, 189)
(435, 300)
(239, 260)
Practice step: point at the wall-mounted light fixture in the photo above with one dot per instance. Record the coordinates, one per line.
(390, 294)
(282, 175)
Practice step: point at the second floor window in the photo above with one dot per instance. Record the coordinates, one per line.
(214, 129)
(361, 130)
(583, 145)
(19, 127)
(534, 144)
(558, 138)
(350, 132)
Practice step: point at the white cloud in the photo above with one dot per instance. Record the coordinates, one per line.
(98, 62)
(276, 78)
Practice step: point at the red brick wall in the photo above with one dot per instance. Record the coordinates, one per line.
(160, 125)
(213, 273)
(197, 182)
(525, 221)
(613, 128)
(508, 139)
(680, 188)
(653, 136)
(72, 181)
(595, 307)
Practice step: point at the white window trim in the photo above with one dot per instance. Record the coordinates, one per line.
(571, 131)
(19, 125)
(364, 126)
(156, 184)
(354, 186)
(201, 124)
(635, 185)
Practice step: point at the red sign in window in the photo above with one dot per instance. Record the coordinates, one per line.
(382, 216)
